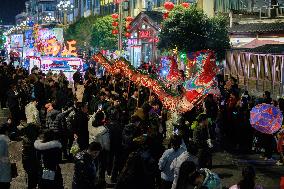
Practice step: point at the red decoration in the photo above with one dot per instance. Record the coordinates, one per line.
(144, 34)
(169, 6)
(114, 32)
(115, 24)
(166, 15)
(129, 19)
(128, 27)
(185, 5)
(127, 34)
(174, 74)
(114, 16)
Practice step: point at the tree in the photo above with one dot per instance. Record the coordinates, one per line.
(81, 31)
(190, 30)
(102, 37)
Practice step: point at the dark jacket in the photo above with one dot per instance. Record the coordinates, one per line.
(13, 101)
(51, 122)
(50, 153)
(80, 128)
(84, 171)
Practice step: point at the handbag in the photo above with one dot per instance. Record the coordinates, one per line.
(14, 170)
(48, 174)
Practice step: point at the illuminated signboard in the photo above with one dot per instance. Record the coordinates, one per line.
(144, 34)
(64, 64)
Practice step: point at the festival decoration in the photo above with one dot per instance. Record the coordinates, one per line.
(175, 103)
(169, 6)
(173, 75)
(266, 118)
(115, 16)
(185, 5)
(128, 21)
(166, 15)
(202, 78)
(115, 24)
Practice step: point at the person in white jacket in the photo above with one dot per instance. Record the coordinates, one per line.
(5, 165)
(167, 175)
(32, 113)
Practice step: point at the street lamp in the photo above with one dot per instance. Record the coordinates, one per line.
(65, 6)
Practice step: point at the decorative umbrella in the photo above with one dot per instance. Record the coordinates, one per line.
(266, 118)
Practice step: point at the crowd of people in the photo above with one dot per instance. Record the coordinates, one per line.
(119, 130)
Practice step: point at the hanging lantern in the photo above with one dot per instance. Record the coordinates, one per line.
(114, 32)
(114, 16)
(129, 19)
(128, 27)
(169, 6)
(185, 5)
(127, 34)
(115, 24)
(166, 15)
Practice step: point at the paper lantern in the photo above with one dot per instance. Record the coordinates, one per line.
(166, 15)
(114, 32)
(169, 6)
(114, 16)
(127, 34)
(128, 27)
(129, 19)
(185, 5)
(115, 24)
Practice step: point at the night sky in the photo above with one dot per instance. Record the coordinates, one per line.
(9, 9)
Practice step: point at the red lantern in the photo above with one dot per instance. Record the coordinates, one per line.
(115, 24)
(166, 15)
(128, 27)
(169, 6)
(114, 32)
(114, 16)
(127, 34)
(129, 19)
(185, 5)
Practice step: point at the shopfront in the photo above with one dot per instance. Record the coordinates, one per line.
(142, 45)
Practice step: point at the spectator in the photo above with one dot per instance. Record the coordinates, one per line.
(204, 178)
(50, 152)
(5, 165)
(187, 168)
(32, 113)
(167, 174)
(248, 180)
(85, 170)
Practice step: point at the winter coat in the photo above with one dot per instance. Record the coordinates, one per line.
(84, 171)
(80, 128)
(131, 105)
(50, 153)
(29, 155)
(5, 165)
(165, 161)
(101, 135)
(51, 119)
(32, 113)
(129, 132)
(13, 101)
(177, 162)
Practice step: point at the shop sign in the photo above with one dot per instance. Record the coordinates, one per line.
(144, 34)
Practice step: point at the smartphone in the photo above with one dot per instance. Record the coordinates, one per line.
(100, 106)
